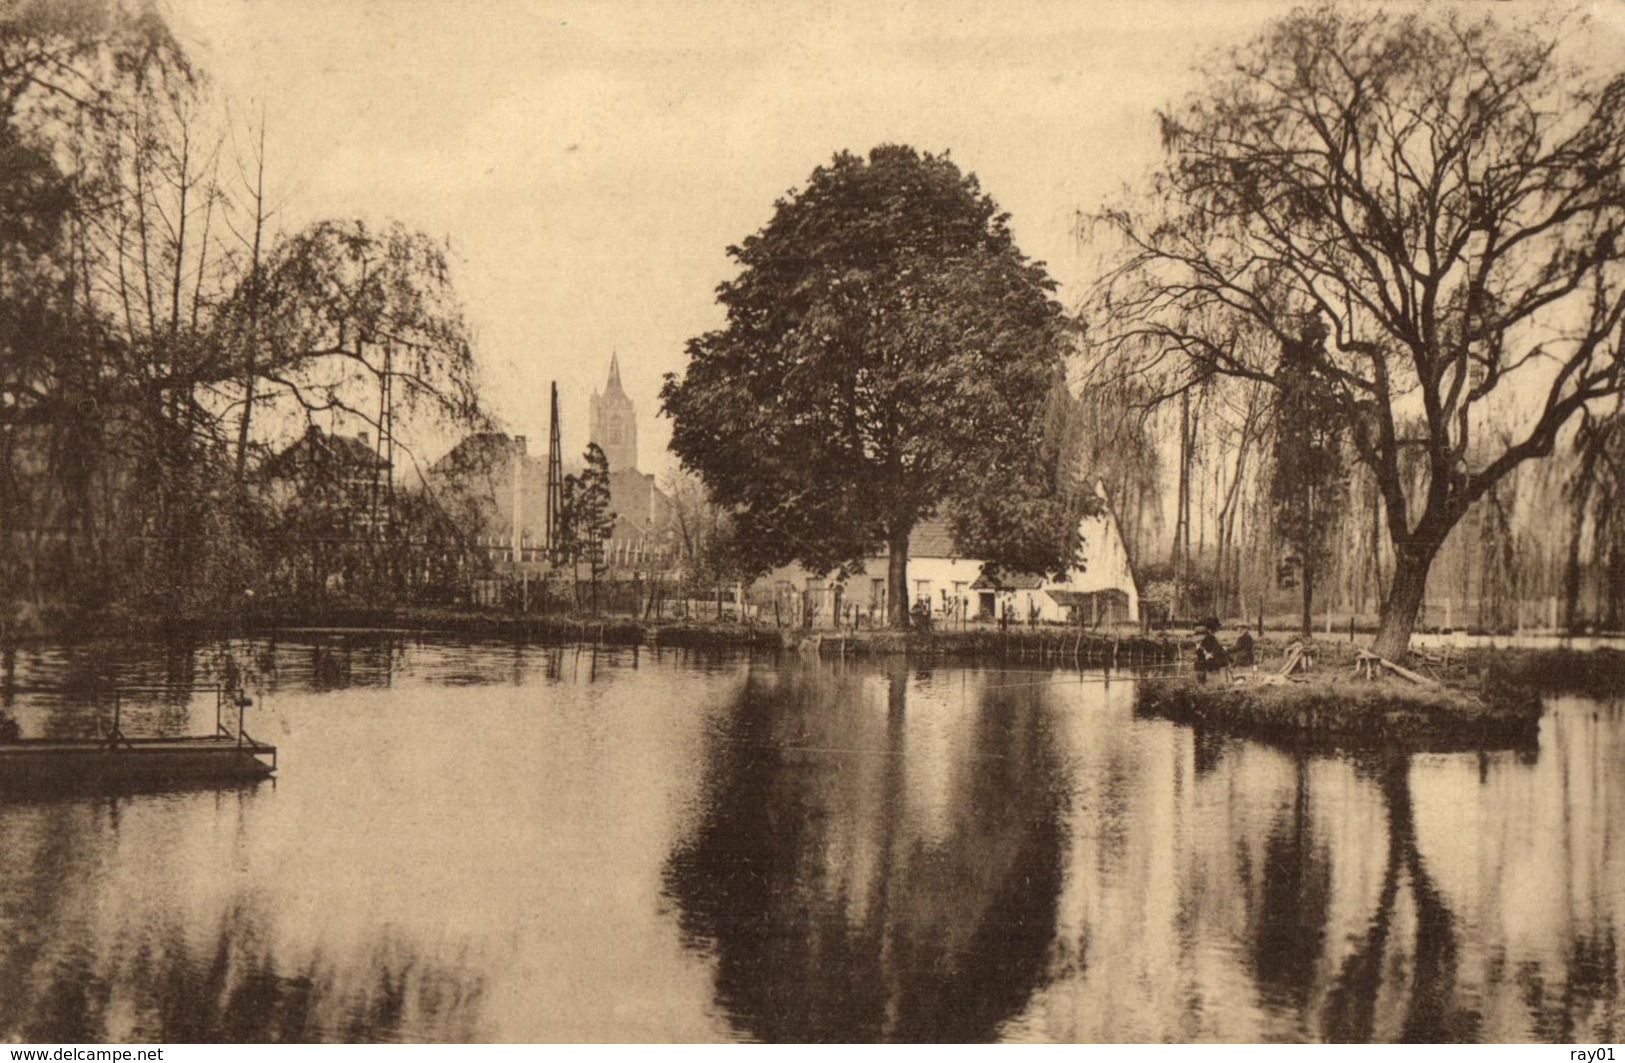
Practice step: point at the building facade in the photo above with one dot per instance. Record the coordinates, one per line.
(1102, 593)
(640, 539)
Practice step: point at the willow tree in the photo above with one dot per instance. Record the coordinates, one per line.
(889, 354)
(364, 326)
(73, 387)
(1444, 194)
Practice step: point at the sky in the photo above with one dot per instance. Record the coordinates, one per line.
(590, 162)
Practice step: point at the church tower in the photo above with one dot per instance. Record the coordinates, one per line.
(613, 424)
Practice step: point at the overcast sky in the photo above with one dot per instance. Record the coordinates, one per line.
(590, 162)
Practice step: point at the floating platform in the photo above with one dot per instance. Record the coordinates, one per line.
(48, 763)
(117, 761)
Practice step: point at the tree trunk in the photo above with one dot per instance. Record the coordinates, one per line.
(1404, 601)
(1614, 574)
(897, 601)
(1376, 542)
(1571, 582)
(1308, 630)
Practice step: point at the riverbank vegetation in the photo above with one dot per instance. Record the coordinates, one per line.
(1321, 330)
(1337, 710)
(195, 404)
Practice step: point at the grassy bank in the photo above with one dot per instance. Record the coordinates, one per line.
(1333, 709)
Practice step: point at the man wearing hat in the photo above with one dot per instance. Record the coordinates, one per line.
(1210, 653)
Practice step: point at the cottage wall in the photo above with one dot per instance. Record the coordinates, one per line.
(1107, 568)
(793, 596)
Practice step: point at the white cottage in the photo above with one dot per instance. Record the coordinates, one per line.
(1103, 593)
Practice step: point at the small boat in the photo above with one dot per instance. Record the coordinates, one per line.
(116, 760)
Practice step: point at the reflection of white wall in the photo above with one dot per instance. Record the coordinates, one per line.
(938, 739)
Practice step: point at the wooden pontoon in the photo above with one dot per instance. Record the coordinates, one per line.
(117, 760)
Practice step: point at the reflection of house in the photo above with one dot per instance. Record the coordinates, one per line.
(1104, 592)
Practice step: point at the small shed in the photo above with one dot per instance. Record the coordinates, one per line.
(1018, 595)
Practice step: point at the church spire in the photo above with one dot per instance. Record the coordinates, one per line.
(612, 421)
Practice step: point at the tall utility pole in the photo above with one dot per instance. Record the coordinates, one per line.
(555, 479)
(518, 497)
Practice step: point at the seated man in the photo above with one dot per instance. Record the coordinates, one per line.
(922, 614)
(1210, 654)
(1241, 654)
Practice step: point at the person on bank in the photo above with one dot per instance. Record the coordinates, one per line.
(1241, 654)
(1211, 656)
(922, 615)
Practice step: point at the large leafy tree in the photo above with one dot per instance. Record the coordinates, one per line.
(888, 353)
(1446, 195)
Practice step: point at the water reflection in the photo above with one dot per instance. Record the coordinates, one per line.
(99, 950)
(879, 858)
(1224, 890)
(500, 842)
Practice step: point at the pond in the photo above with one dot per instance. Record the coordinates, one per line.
(516, 843)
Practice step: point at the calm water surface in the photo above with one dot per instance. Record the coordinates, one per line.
(489, 842)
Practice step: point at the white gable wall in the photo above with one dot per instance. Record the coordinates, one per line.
(1107, 568)
(1106, 564)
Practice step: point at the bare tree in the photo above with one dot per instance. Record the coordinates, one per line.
(1444, 194)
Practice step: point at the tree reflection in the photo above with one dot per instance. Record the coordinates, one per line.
(234, 989)
(1430, 1011)
(838, 906)
(1288, 935)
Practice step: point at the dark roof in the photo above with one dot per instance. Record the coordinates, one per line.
(1010, 581)
(476, 451)
(932, 538)
(613, 385)
(317, 447)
